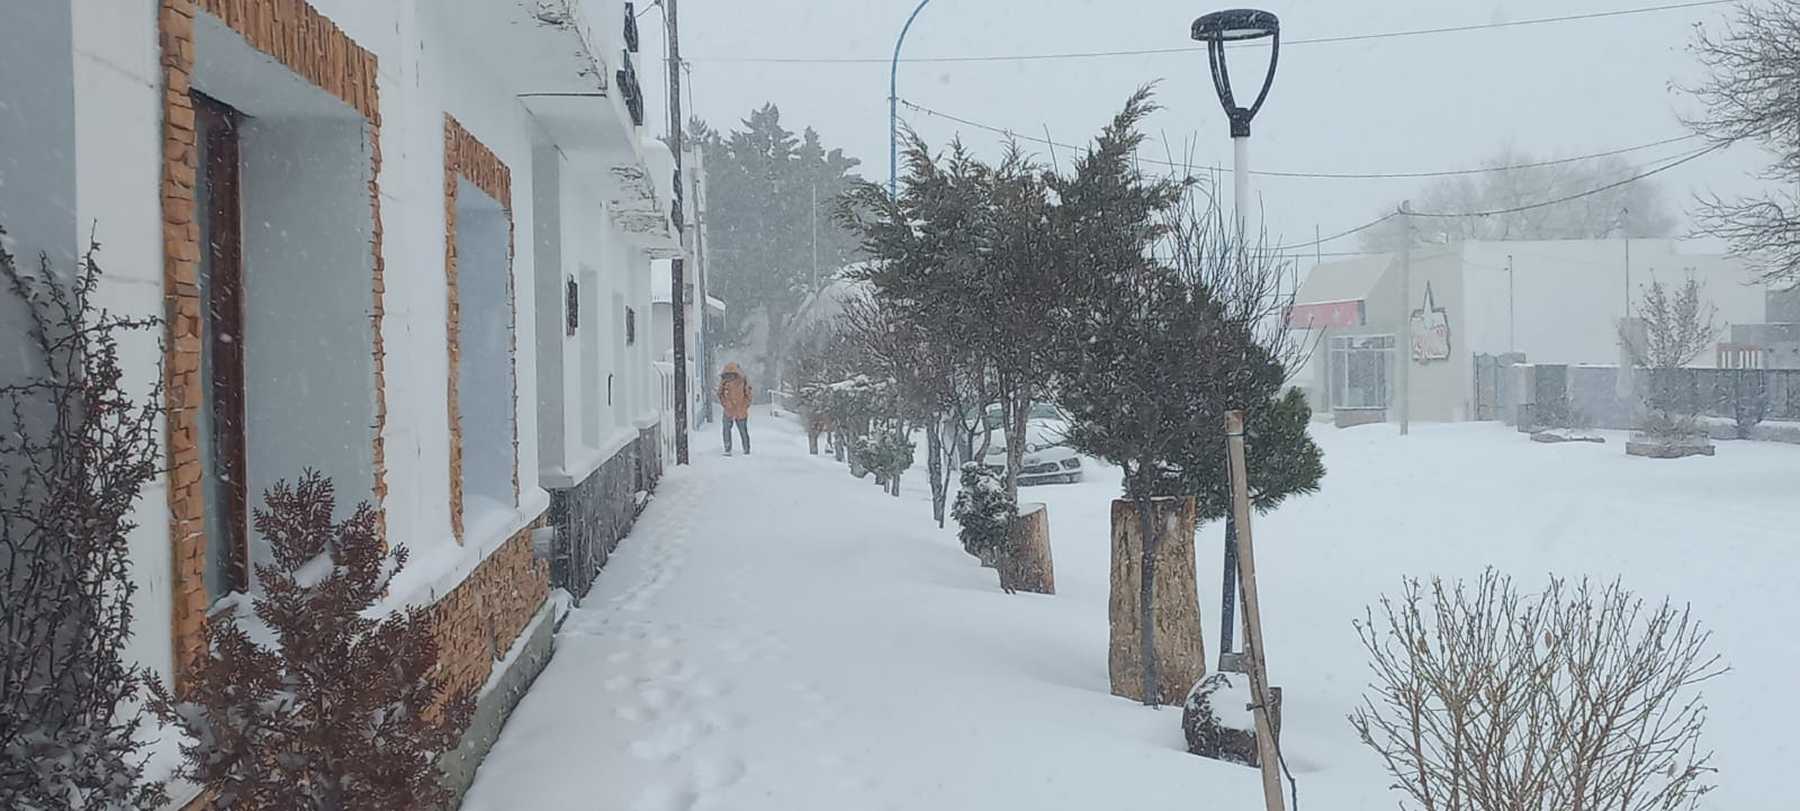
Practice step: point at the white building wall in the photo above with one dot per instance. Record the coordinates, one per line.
(426, 68)
(1568, 295)
(118, 178)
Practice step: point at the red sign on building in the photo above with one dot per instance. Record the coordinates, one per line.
(1326, 315)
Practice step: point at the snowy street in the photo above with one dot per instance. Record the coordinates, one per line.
(777, 635)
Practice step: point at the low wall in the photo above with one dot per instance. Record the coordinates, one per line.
(1593, 392)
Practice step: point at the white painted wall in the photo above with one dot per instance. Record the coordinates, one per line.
(1568, 295)
(549, 287)
(118, 148)
(427, 67)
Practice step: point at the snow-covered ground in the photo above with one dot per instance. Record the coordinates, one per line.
(777, 635)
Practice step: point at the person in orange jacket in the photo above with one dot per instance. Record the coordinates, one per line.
(734, 399)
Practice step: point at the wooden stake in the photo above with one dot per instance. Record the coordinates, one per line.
(1253, 640)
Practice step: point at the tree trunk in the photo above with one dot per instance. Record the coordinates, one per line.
(1027, 565)
(1016, 409)
(934, 468)
(1155, 635)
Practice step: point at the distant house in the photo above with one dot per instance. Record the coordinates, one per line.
(1544, 302)
(405, 244)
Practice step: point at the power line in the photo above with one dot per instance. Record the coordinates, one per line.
(1339, 235)
(1189, 49)
(1413, 175)
(1497, 212)
(1577, 196)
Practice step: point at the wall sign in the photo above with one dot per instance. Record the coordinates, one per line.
(1430, 330)
(572, 304)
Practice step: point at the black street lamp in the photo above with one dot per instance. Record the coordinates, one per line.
(1217, 30)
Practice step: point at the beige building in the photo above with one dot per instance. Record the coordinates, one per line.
(1551, 302)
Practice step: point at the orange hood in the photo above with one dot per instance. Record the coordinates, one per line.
(731, 370)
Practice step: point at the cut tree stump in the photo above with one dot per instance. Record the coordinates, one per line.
(1026, 566)
(1180, 649)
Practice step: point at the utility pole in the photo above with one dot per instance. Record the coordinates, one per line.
(1511, 323)
(1405, 344)
(677, 291)
(701, 282)
(815, 240)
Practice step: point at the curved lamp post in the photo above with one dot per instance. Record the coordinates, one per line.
(894, 104)
(1217, 30)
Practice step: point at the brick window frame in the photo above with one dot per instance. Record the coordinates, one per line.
(315, 49)
(467, 158)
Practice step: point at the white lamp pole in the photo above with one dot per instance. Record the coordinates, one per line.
(1216, 30)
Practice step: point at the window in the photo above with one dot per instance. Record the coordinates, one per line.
(221, 415)
(484, 357)
(1360, 366)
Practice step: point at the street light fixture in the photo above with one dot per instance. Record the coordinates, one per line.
(1217, 30)
(1233, 26)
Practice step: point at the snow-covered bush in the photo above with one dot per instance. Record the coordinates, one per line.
(1574, 697)
(76, 450)
(1559, 415)
(887, 454)
(344, 710)
(1745, 398)
(1217, 720)
(983, 512)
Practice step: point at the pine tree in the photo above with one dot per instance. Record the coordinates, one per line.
(76, 450)
(345, 711)
(762, 180)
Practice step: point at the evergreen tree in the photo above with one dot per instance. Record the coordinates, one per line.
(1153, 355)
(762, 183)
(345, 711)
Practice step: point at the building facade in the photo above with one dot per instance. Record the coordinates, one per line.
(1556, 302)
(405, 244)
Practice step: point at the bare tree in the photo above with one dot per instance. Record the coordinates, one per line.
(1518, 179)
(1752, 93)
(1677, 330)
(77, 449)
(1577, 697)
(1255, 283)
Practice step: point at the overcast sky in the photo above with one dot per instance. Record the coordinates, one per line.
(1416, 103)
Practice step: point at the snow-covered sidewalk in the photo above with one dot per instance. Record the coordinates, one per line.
(777, 635)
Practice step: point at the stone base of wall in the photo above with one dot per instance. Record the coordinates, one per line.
(530, 654)
(589, 520)
(650, 458)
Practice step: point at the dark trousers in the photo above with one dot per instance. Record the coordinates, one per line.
(743, 427)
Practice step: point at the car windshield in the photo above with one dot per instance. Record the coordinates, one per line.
(1433, 364)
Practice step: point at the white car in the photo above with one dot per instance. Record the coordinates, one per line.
(1047, 458)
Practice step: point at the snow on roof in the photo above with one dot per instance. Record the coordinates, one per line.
(1347, 280)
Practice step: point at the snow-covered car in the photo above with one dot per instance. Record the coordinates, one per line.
(1047, 458)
